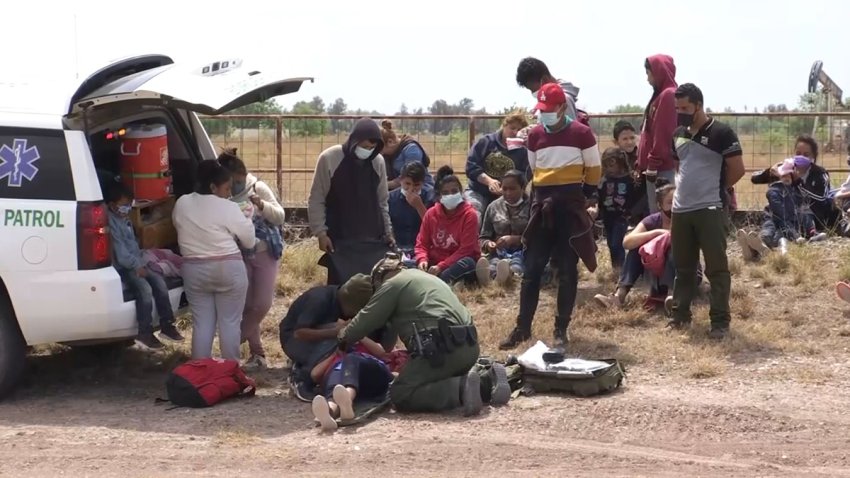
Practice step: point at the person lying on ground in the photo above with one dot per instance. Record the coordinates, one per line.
(447, 244)
(347, 207)
(502, 227)
(346, 377)
(650, 228)
(491, 157)
(309, 329)
(438, 332)
(149, 288)
(408, 205)
(398, 152)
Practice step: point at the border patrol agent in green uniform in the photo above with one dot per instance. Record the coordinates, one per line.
(437, 331)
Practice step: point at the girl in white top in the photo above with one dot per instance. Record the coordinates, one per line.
(214, 277)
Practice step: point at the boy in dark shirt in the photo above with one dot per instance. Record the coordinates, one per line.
(616, 198)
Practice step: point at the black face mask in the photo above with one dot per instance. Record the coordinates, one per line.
(685, 119)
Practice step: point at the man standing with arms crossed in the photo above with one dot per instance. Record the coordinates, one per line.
(655, 158)
(710, 162)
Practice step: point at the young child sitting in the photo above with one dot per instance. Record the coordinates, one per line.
(447, 244)
(147, 286)
(786, 217)
(502, 226)
(616, 197)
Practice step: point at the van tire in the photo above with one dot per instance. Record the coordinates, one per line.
(13, 349)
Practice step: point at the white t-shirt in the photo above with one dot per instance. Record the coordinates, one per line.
(208, 226)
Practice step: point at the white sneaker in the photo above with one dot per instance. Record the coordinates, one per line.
(503, 271)
(482, 272)
(756, 244)
(257, 362)
(322, 412)
(744, 242)
(343, 400)
(783, 246)
(821, 236)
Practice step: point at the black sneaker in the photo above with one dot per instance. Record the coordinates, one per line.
(148, 342)
(501, 388)
(718, 333)
(517, 337)
(171, 333)
(561, 339)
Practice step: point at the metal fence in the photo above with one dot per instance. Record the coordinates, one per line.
(282, 150)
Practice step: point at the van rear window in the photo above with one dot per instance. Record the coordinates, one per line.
(34, 164)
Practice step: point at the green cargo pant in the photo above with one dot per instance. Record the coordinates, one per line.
(423, 388)
(691, 232)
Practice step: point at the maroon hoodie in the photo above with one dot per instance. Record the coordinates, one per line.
(655, 152)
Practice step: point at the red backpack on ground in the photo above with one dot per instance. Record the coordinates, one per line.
(205, 382)
(653, 254)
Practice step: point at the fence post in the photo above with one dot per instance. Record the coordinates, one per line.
(278, 156)
(471, 131)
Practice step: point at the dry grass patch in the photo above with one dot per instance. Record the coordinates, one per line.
(736, 266)
(705, 367)
(844, 265)
(778, 263)
(299, 268)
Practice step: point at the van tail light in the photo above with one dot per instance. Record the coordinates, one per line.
(93, 247)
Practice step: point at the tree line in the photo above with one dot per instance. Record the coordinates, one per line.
(781, 128)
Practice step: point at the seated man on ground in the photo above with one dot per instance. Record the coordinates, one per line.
(439, 334)
(651, 227)
(408, 205)
(308, 332)
(502, 227)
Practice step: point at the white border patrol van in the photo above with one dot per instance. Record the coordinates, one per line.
(57, 282)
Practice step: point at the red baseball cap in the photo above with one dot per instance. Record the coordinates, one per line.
(550, 97)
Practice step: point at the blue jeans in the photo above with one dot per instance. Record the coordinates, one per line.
(658, 286)
(366, 374)
(615, 231)
(517, 263)
(462, 269)
(149, 291)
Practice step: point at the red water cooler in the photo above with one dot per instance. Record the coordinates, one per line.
(144, 162)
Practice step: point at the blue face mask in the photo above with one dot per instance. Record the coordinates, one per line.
(125, 209)
(237, 188)
(363, 153)
(451, 201)
(548, 119)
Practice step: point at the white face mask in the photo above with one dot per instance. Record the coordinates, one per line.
(451, 201)
(362, 152)
(515, 204)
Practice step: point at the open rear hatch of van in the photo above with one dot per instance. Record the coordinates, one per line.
(210, 89)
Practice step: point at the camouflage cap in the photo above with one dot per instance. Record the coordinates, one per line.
(391, 262)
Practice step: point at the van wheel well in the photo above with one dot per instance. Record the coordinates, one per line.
(6, 301)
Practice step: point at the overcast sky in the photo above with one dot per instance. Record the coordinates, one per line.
(379, 54)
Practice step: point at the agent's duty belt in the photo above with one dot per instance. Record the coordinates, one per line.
(434, 344)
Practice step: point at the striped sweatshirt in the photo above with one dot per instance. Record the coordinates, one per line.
(568, 157)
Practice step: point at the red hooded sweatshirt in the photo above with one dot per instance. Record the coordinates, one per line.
(443, 240)
(655, 152)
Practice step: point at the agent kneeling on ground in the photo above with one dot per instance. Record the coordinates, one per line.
(439, 334)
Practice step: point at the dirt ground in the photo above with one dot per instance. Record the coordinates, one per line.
(771, 400)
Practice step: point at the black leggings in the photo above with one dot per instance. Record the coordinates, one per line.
(364, 373)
